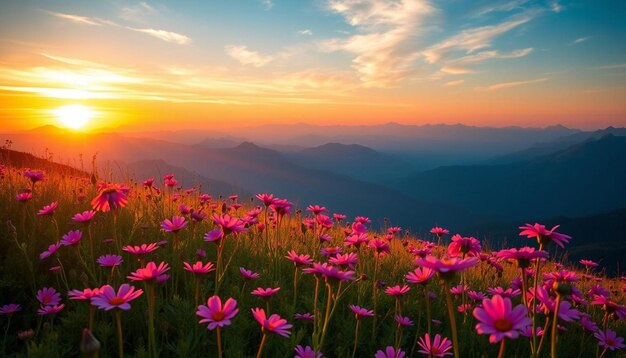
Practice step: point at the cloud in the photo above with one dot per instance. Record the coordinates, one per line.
(556, 7)
(247, 57)
(267, 4)
(501, 7)
(472, 40)
(580, 40)
(460, 65)
(505, 85)
(167, 36)
(385, 45)
(136, 13)
(611, 67)
(306, 32)
(453, 83)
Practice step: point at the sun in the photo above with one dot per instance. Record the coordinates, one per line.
(74, 116)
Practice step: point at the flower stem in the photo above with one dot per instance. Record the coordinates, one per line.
(92, 312)
(120, 338)
(502, 348)
(258, 353)
(219, 342)
(356, 337)
(428, 318)
(534, 349)
(554, 326)
(455, 339)
(295, 287)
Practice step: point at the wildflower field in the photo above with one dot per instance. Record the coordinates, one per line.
(153, 269)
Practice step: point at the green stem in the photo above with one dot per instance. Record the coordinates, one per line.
(120, 338)
(295, 286)
(455, 339)
(532, 308)
(554, 326)
(356, 337)
(219, 342)
(327, 315)
(428, 317)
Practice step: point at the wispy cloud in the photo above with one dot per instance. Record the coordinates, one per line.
(505, 85)
(137, 13)
(167, 36)
(611, 67)
(462, 65)
(385, 46)
(556, 7)
(453, 83)
(503, 6)
(267, 4)
(580, 40)
(247, 57)
(305, 32)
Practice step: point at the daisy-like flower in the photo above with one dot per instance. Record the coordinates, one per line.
(267, 199)
(48, 296)
(397, 291)
(610, 307)
(329, 272)
(523, 256)
(48, 210)
(265, 292)
(86, 294)
(229, 224)
(499, 319)
(543, 235)
(359, 228)
(360, 312)
(420, 275)
(438, 347)
(476, 296)
(316, 209)
(380, 246)
(271, 324)
(175, 225)
(199, 268)
(142, 249)
(463, 246)
(110, 260)
(34, 175)
(214, 235)
(589, 264)
(390, 352)
(447, 267)
(509, 292)
(348, 260)
(306, 352)
(108, 299)
(110, 197)
(248, 274)
(609, 340)
(459, 289)
(403, 321)
(23, 197)
(216, 314)
(356, 240)
(50, 309)
(298, 260)
(339, 217)
(52, 249)
(72, 238)
(84, 218)
(10, 309)
(304, 316)
(439, 231)
(150, 273)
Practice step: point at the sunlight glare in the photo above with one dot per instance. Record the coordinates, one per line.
(74, 116)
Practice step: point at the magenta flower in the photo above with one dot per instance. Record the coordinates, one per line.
(248, 274)
(48, 210)
(141, 250)
(108, 299)
(148, 183)
(609, 340)
(380, 246)
(397, 291)
(110, 197)
(85, 217)
(439, 347)
(447, 267)
(86, 294)
(50, 309)
(543, 235)
(110, 260)
(316, 209)
(523, 256)
(390, 352)
(267, 199)
(216, 314)
(463, 246)
(589, 263)
(356, 240)
(439, 231)
(175, 225)
(306, 352)
(52, 249)
(420, 275)
(304, 316)
(214, 235)
(610, 307)
(229, 224)
(265, 292)
(199, 268)
(348, 260)
(505, 293)
(298, 260)
(329, 272)
(150, 273)
(34, 175)
(403, 321)
(23, 197)
(273, 324)
(331, 251)
(48, 296)
(360, 312)
(10, 309)
(72, 238)
(499, 319)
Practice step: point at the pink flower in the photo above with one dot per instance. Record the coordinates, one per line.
(48, 296)
(339, 217)
(447, 267)
(306, 352)
(439, 231)
(199, 268)
(85, 217)
(609, 340)
(215, 314)
(48, 210)
(439, 347)
(316, 209)
(523, 256)
(141, 250)
(175, 225)
(463, 246)
(459, 289)
(50, 309)
(331, 251)
(23, 197)
(304, 316)
(34, 175)
(10, 309)
(403, 321)
(544, 236)
(588, 263)
(348, 260)
(214, 235)
(108, 299)
(71, 238)
(148, 183)
(52, 249)
(509, 292)
(267, 199)
(476, 296)
(380, 246)
(390, 352)
(229, 224)
(86, 294)
(150, 273)
(499, 319)
(248, 274)
(356, 240)
(610, 307)
(110, 260)
(110, 197)
(397, 291)
(419, 276)
(329, 272)
(273, 324)
(298, 260)
(360, 312)
(265, 292)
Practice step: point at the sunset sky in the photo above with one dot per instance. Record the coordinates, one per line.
(224, 64)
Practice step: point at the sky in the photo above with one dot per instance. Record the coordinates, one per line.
(227, 64)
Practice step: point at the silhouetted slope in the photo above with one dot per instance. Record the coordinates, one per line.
(12, 158)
